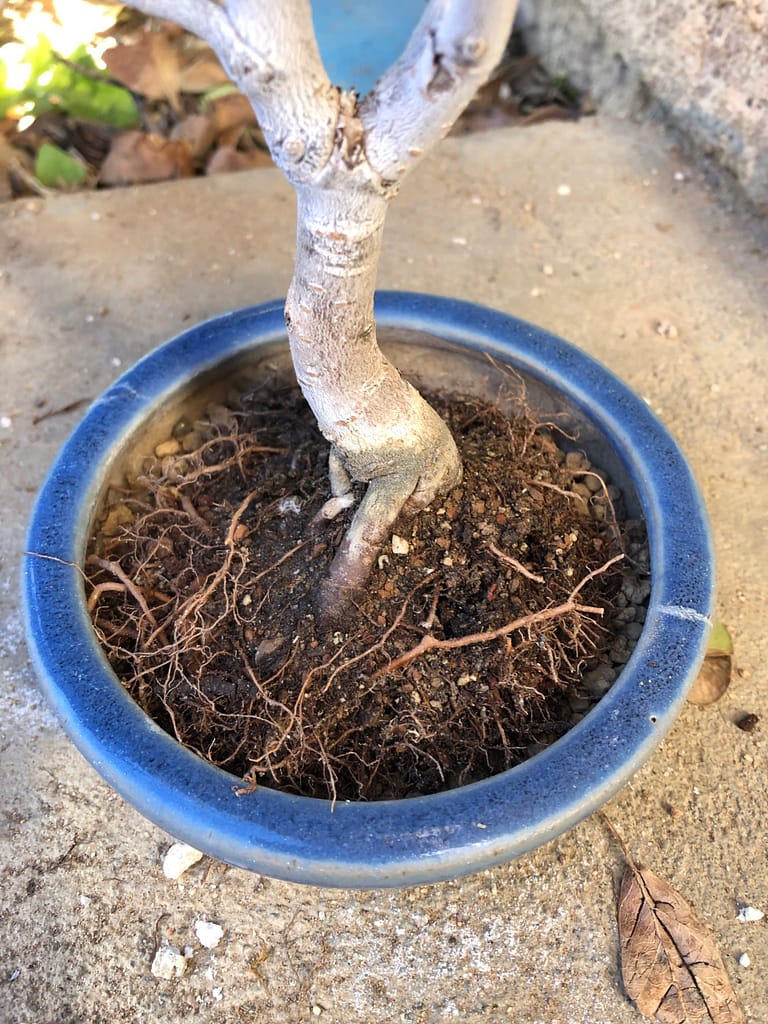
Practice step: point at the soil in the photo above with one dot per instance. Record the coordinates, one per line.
(479, 640)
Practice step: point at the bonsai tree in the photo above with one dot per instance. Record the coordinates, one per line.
(346, 158)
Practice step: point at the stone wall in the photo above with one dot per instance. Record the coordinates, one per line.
(700, 64)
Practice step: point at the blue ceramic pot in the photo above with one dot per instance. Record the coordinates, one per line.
(388, 843)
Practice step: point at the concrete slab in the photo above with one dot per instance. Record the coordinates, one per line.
(644, 270)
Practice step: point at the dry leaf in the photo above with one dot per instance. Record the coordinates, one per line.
(712, 681)
(155, 68)
(136, 157)
(232, 111)
(199, 133)
(670, 964)
(149, 67)
(202, 74)
(715, 675)
(227, 159)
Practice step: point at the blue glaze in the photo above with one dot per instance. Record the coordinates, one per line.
(393, 843)
(359, 40)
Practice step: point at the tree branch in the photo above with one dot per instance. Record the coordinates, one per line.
(452, 51)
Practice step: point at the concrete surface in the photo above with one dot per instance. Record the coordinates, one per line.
(699, 65)
(651, 275)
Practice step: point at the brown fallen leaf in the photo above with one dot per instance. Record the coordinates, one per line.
(149, 67)
(135, 157)
(715, 675)
(712, 681)
(198, 132)
(155, 68)
(232, 111)
(227, 159)
(670, 964)
(202, 74)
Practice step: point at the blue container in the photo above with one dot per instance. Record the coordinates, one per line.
(388, 843)
(359, 40)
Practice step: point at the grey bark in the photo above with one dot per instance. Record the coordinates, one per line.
(346, 160)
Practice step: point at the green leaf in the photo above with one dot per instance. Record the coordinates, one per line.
(102, 102)
(720, 640)
(56, 169)
(216, 93)
(86, 98)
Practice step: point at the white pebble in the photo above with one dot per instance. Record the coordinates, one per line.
(6, 422)
(666, 329)
(168, 963)
(400, 545)
(563, 190)
(747, 914)
(459, 240)
(744, 960)
(292, 504)
(548, 270)
(208, 933)
(179, 859)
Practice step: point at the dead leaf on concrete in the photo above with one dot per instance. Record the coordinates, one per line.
(670, 964)
(715, 675)
(136, 157)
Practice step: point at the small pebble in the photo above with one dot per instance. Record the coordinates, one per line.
(292, 504)
(744, 960)
(666, 329)
(400, 545)
(168, 963)
(180, 858)
(563, 190)
(208, 933)
(170, 447)
(748, 914)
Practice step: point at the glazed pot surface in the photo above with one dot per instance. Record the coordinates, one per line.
(388, 843)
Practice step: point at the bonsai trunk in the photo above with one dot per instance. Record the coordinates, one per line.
(382, 431)
(346, 160)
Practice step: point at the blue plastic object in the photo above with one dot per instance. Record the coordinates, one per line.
(359, 40)
(404, 842)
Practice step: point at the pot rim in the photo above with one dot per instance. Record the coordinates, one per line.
(384, 843)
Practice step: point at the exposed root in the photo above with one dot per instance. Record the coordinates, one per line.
(430, 643)
(457, 660)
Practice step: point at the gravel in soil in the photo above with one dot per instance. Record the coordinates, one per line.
(491, 624)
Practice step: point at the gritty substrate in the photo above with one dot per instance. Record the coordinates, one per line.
(490, 624)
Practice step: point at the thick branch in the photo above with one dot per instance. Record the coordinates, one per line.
(451, 53)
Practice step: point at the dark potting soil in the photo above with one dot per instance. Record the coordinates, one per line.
(491, 624)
